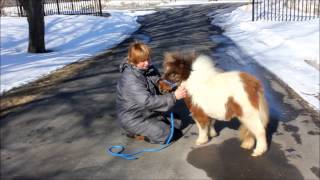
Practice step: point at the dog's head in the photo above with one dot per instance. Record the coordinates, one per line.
(177, 66)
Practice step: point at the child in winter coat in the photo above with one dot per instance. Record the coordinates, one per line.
(140, 105)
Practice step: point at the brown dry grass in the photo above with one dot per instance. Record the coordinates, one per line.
(34, 91)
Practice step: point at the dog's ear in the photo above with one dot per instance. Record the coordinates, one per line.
(190, 56)
(193, 54)
(169, 57)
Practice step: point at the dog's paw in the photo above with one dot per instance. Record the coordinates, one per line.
(248, 144)
(255, 154)
(201, 141)
(258, 152)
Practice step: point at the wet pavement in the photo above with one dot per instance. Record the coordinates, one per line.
(64, 135)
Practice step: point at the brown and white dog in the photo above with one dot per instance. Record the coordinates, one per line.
(222, 96)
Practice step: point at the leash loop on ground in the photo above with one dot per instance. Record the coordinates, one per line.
(133, 156)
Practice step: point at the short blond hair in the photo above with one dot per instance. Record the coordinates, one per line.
(138, 52)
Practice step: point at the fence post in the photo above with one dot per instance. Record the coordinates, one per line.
(100, 7)
(58, 6)
(43, 8)
(20, 9)
(252, 10)
(72, 6)
(18, 5)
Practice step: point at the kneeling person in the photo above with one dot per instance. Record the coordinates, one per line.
(140, 105)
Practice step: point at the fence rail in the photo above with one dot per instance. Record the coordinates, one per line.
(285, 10)
(67, 7)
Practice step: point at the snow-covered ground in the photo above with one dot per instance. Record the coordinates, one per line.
(70, 38)
(119, 4)
(285, 48)
(290, 50)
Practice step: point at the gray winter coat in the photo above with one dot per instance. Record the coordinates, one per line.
(139, 102)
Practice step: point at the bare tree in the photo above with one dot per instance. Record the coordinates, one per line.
(1, 6)
(35, 16)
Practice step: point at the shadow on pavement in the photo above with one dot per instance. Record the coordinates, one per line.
(222, 162)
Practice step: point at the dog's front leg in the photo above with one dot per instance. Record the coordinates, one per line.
(203, 130)
(201, 118)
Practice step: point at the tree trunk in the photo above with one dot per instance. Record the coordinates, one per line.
(35, 16)
(1, 6)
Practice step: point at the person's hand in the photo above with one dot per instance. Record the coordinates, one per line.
(180, 93)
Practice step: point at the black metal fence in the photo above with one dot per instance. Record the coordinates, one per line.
(67, 7)
(285, 10)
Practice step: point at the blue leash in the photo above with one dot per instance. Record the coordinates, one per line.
(133, 155)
